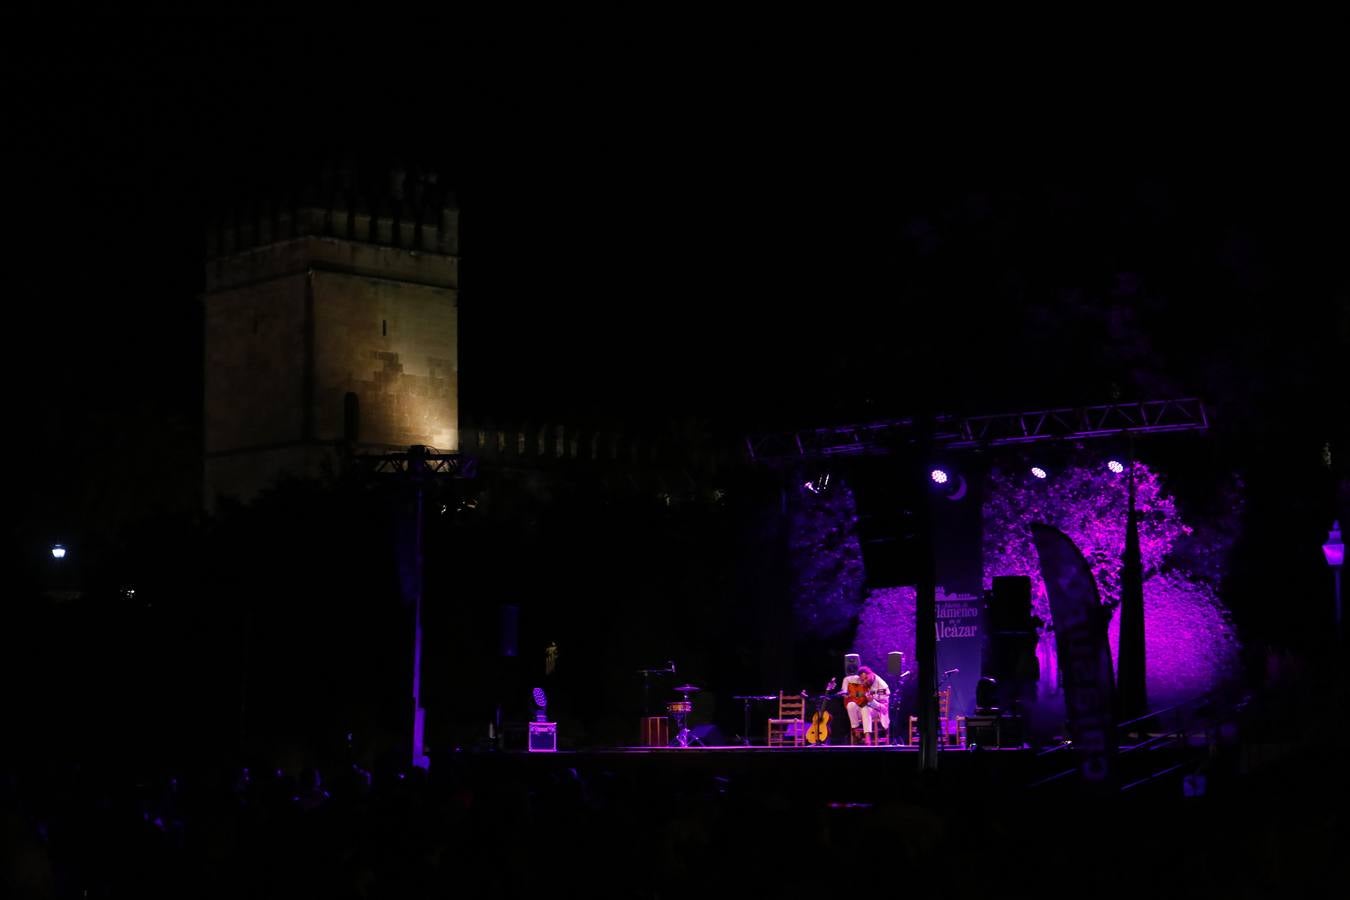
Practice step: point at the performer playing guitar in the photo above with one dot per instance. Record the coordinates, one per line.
(866, 698)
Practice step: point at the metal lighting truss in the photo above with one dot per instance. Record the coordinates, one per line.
(418, 461)
(1002, 429)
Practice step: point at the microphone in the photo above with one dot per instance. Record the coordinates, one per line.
(671, 663)
(904, 673)
(951, 671)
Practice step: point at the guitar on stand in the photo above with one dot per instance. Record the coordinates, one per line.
(819, 732)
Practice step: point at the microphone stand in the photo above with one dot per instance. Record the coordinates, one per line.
(947, 683)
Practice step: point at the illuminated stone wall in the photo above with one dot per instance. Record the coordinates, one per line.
(393, 344)
(254, 381)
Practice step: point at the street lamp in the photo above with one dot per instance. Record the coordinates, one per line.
(1334, 551)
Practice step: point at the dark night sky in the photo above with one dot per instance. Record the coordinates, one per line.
(653, 235)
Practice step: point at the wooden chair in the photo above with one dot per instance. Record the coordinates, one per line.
(946, 735)
(789, 728)
(880, 736)
(951, 728)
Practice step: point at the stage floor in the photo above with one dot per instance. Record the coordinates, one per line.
(829, 773)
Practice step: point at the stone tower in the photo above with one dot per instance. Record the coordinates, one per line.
(331, 321)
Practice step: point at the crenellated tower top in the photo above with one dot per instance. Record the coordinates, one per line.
(399, 208)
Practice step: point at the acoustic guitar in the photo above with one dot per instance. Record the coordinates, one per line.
(819, 732)
(859, 694)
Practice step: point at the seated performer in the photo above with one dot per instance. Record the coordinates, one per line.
(866, 697)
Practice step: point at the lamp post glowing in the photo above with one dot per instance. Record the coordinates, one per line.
(1334, 551)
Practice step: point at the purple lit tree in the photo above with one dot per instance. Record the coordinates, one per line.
(827, 564)
(886, 624)
(1189, 635)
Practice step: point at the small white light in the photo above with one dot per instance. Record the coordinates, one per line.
(58, 552)
(1115, 466)
(1038, 471)
(938, 476)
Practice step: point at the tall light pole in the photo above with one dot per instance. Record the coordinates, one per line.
(418, 466)
(1334, 551)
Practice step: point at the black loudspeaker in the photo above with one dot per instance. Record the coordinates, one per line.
(851, 663)
(991, 732)
(982, 731)
(1010, 603)
(895, 663)
(1008, 656)
(986, 695)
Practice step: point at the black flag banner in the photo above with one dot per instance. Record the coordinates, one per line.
(1084, 656)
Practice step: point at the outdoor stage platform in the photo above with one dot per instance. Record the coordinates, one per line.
(836, 774)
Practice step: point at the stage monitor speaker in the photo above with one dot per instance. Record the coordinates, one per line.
(851, 663)
(982, 731)
(895, 663)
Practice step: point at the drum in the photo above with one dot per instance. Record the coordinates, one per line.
(680, 707)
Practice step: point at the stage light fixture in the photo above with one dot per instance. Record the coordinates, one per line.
(951, 485)
(818, 485)
(58, 552)
(1038, 471)
(1115, 465)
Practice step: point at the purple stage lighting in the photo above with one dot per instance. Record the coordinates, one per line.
(938, 476)
(1192, 643)
(819, 484)
(1115, 466)
(1038, 471)
(541, 701)
(1334, 548)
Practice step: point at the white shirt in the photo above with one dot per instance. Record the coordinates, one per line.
(880, 689)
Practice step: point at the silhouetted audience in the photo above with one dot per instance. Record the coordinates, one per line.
(494, 824)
